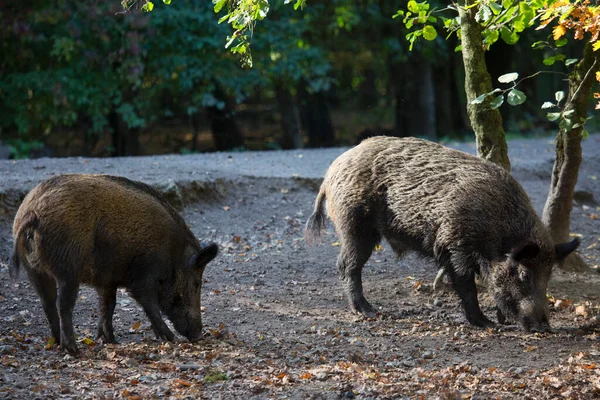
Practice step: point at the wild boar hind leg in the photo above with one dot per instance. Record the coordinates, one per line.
(354, 253)
(108, 299)
(461, 270)
(68, 290)
(45, 286)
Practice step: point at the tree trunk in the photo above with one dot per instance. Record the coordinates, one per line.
(424, 123)
(226, 133)
(557, 211)
(195, 126)
(290, 119)
(486, 122)
(314, 114)
(415, 97)
(125, 142)
(445, 105)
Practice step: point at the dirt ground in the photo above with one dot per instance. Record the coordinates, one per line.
(277, 324)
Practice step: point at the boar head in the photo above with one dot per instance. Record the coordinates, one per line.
(519, 284)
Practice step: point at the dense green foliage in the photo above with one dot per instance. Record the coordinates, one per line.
(86, 75)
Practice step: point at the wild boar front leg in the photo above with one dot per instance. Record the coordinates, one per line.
(108, 299)
(149, 303)
(354, 253)
(462, 274)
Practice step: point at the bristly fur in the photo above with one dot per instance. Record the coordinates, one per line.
(464, 212)
(30, 222)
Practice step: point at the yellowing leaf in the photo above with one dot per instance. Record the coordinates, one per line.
(51, 342)
(181, 383)
(88, 342)
(558, 32)
(335, 244)
(378, 247)
(589, 366)
(136, 325)
(530, 349)
(306, 376)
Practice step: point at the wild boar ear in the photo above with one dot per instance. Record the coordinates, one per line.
(525, 251)
(564, 249)
(206, 255)
(202, 257)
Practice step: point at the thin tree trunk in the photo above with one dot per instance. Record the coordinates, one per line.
(314, 114)
(557, 211)
(486, 122)
(226, 133)
(290, 119)
(195, 126)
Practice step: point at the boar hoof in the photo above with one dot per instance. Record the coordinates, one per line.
(166, 335)
(501, 317)
(363, 307)
(481, 321)
(71, 348)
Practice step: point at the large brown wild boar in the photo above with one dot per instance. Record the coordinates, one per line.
(109, 232)
(466, 213)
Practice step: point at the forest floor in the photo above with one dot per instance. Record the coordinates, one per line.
(276, 322)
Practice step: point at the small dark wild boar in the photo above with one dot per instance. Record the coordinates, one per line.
(466, 213)
(109, 232)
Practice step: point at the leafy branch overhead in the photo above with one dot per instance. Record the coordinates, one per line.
(506, 19)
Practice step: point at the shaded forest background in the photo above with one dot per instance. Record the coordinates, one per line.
(84, 78)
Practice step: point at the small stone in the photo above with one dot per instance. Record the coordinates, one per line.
(428, 355)
(437, 302)
(188, 367)
(153, 356)
(68, 357)
(131, 362)
(6, 349)
(408, 363)
(349, 394)
(321, 375)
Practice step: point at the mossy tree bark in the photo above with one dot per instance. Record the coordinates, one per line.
(557, 211)
(485, 121)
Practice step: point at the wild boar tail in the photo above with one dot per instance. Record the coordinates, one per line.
(316, 221)
(29, 222)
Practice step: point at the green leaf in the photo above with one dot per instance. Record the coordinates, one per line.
(510, 77)
(549, 61)
(479, 99)
(585, 134)
(516, 97)
(508, 36)
(490, 36)
(167, 2)
(565, 124)
(218, 5)
(561, 42)
(483, 14)
(547, 105)
(413, 6)
(507, 3)
(429, 32)
(559, 96)
(497, 102)
(496, 8)
(539, 45)
(149, 6)
(553, 116)
(570, 61)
